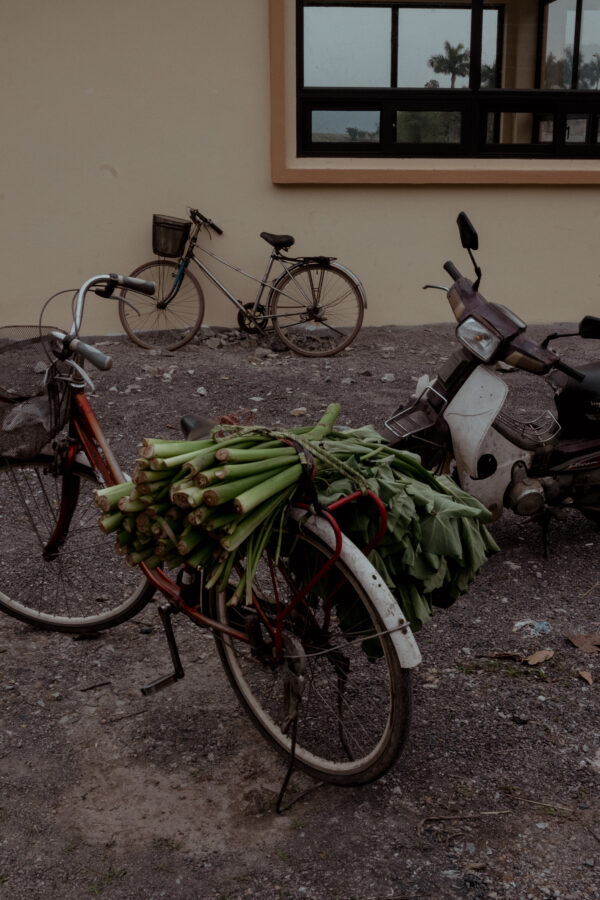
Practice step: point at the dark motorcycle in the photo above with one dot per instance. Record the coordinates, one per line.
(457, 423)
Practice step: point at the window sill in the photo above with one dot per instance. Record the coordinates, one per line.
(325, 170)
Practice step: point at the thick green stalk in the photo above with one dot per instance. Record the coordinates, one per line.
(158, 463)
(129, 505)
(237, 455)
(109, 522)
(165, 448)
(248, 523)
(240, 470)
(186, 497)
(254, 496)
(107, 498)
(215, 495)
(325, 424)
(190, 540)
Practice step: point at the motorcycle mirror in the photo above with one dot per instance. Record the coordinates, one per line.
(468, 236)
(589, 327)
(470, 241)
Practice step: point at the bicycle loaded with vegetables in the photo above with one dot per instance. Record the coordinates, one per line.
(315, 305)
(246, 532)
(315, 599)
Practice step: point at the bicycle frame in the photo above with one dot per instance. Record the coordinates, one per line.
(263, 283)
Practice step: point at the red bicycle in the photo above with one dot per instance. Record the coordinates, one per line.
(321, 658)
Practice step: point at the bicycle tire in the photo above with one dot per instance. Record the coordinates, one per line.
(341, 682)
(162, 329)
(317, 309)
(61, 594)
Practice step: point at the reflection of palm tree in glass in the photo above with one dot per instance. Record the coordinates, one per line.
(559, 70)
(488, 76)
(590, 73)
(454, 62)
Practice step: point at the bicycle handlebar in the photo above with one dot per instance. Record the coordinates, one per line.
(109, 283)
(126, 281)
(93, 355)
(199, 219)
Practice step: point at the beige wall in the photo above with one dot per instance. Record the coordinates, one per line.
(114, 110)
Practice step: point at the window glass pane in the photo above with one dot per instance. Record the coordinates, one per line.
(427, 126)
(519, 128)
(589, 47)
(490, 65)
(335, 125)
(347, 47)
(433, 47)
(559, 35)
(577, 129)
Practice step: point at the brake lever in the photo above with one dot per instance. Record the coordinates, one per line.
(128, 302)
(82, 373)
(436, 287)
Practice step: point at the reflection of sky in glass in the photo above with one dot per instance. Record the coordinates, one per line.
(350, 47)
(347, 47)
(590, 45)
(343, 124)
(421, 34)
(489, 41)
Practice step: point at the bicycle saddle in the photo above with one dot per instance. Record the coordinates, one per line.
(279, 241)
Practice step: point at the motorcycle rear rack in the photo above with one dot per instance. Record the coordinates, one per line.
(528, 435)
(418, 417)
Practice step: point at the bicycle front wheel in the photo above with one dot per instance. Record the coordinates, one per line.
(317, 309)
(83, 587)
(339, 664)
(152, 326)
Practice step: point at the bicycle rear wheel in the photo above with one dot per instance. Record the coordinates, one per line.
(84, 588)
(317, 309)
(169, 328)
(355, 704)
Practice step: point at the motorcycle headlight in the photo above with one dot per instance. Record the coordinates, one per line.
(478, 338)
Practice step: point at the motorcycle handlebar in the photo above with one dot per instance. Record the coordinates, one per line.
(568, 370)
(452, 271)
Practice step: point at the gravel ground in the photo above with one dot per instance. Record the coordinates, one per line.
(105, 792)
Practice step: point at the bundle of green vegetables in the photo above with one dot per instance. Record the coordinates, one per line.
(223, 498)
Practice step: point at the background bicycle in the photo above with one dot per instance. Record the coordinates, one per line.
(314, 305)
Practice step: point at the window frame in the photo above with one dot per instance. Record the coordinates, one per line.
(474, 103)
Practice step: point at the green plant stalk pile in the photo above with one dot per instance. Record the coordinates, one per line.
(214, 501)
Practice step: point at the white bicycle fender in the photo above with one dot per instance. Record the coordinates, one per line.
(382, 598)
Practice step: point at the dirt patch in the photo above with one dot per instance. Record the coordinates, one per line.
(106, 792)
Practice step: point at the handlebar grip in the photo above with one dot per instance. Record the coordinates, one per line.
(452, 271)
(136, 284)
(568, 370)
(198, 218)
(96, 357)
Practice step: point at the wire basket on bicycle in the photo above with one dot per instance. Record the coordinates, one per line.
(33, 398)
(169, 235)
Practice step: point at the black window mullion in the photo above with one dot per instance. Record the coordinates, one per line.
(576, 45)
(394, 49)
(476, 42)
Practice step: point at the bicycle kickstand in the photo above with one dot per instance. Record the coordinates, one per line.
(165, 611)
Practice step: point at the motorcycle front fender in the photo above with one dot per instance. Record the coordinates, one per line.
(470, 415)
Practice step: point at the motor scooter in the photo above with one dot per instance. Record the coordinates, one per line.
(457, 421)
